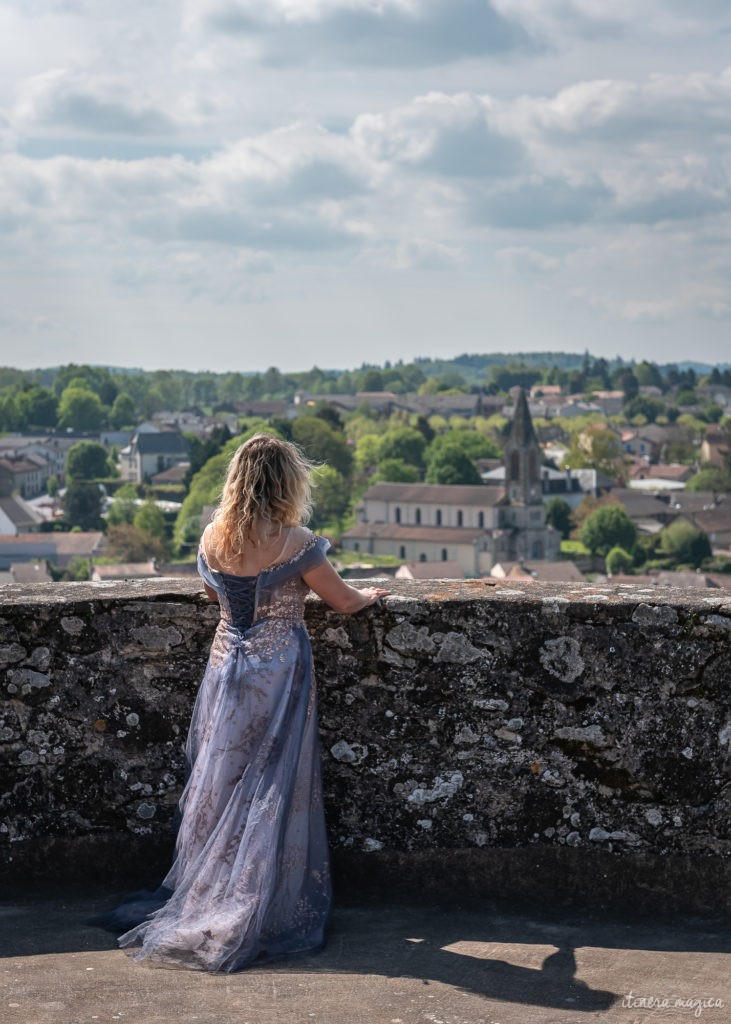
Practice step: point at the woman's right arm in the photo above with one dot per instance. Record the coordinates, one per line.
(337, 593)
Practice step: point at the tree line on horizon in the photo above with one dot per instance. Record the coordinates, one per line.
(88, 398)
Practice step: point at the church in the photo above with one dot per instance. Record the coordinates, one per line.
(474, 526)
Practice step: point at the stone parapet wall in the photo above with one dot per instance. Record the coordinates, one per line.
(573, 725)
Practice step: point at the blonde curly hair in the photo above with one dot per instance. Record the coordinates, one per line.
(269, 482)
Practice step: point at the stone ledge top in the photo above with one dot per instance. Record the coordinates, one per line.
(546, 596)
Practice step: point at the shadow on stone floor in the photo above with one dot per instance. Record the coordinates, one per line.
(483, 950)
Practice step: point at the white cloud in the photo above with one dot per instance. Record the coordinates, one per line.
(524, 259)
(61, 100)
(450, 135)
(342, 32)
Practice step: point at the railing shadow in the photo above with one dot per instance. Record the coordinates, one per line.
(476, 950)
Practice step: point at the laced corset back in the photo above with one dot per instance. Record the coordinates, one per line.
(276, 592)
(241, 599)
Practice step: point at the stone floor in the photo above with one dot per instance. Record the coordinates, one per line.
(384, 964)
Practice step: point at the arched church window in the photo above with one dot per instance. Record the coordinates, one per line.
(514, 466)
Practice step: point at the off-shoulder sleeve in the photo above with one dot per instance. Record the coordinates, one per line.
(208, 575)
(314, 555)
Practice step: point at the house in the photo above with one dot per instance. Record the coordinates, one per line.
(610, 402)
(716, 449)
(25, 474)
(429, 571)
(545, 391)
(17, 516)
(474, 526)
(716, 522)
(174, 475)
(148, 454)
(58, 548)
(572, 485)
(51, 449)
(264, 410)
(446, 404)
(690, 502)
(573, 408)
(30, 572)
(649, 512)
(562, 571)
(717, 393)
(125, 571)
(382, 401)
(115, 438)
(660, 476)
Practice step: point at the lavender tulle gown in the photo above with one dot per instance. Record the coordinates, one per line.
(250, 879)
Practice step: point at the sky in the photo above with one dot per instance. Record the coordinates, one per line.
(238, 184)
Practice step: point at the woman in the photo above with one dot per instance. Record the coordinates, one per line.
(250, 879)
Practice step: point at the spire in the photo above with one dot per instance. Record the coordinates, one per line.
(522, 432)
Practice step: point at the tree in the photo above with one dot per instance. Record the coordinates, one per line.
(78, 570)
(404, 444)
(452, 467)
(648, 374)
(558, 515)
(122, 413)
(123, 507)
(607, 527)
(397, 471)
(80, 409)
(469, 442)
(128, 544)
(619, 561)
(711, 478)
(150, 519)
(598, 447)
(86, 460)
(38, 407)
(82, 505)
(630, 386)
(10, 415)
(331, 497)
(685, 543)
(367, 451)
(322, 444)
(643, 405)
(91, 378)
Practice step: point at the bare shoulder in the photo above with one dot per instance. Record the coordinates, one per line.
(208, 537)
(299, 537)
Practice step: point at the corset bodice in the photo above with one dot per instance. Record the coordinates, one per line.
(241, 597)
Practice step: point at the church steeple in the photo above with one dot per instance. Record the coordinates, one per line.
(523, 458)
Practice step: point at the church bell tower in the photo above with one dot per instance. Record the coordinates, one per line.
(523, 458)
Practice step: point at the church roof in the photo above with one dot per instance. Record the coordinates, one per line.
(522, 432)
(436, 494)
